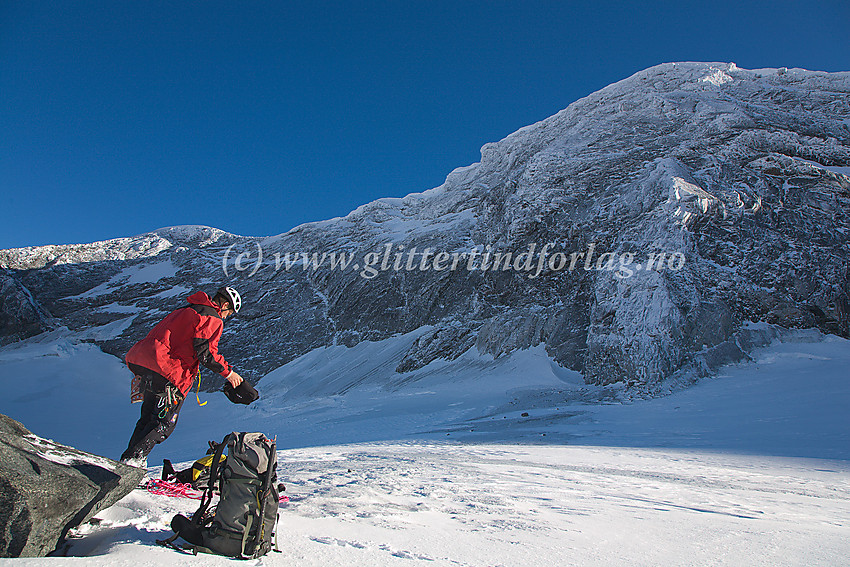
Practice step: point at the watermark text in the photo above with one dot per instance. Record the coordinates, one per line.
(533, 261)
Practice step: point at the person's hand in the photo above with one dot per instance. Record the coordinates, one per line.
(234, 378)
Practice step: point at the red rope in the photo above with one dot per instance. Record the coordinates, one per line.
(177, 490)
(173, 489)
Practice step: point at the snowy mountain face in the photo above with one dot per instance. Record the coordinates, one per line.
(632, 235)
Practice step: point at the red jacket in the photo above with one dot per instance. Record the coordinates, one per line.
(183, 339)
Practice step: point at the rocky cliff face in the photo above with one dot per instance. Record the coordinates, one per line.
(670, 208)
(20, 315)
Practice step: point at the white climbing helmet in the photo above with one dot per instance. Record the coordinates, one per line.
(232, 295)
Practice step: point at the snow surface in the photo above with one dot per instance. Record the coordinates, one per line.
(441, 467)
(59, 454)
(834, 169)
(448, 504)
(147, 273)
(138, 274)
(718, 77)
(70, 392)
(115, 307)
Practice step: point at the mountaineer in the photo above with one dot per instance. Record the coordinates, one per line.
(166, 362)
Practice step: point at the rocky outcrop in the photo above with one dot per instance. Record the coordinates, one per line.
(46, 489)
(728, 187)
(20, 315)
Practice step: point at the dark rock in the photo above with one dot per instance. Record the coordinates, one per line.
(445, 342)
(20, 315)
(46, 489)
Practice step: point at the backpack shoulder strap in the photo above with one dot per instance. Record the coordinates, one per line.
(263, 496)
(215, 466)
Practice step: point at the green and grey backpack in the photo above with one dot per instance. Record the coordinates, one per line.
(245, 520)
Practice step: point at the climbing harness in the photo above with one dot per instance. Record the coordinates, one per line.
(167, 399)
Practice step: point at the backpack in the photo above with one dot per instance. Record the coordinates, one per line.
(198, 475)
(245, 519)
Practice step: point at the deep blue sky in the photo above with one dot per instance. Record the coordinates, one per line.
(117, 118)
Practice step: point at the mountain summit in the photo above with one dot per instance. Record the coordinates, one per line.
(635, 234)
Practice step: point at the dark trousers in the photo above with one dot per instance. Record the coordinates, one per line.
(160, 407)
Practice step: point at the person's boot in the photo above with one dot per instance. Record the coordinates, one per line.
(167, 470)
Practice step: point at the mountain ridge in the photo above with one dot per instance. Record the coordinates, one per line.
(726, 166)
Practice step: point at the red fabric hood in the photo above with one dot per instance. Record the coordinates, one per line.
(201, 298)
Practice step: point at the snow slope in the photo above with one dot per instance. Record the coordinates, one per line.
(70, 392)
(790, 401)
(748, 468)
